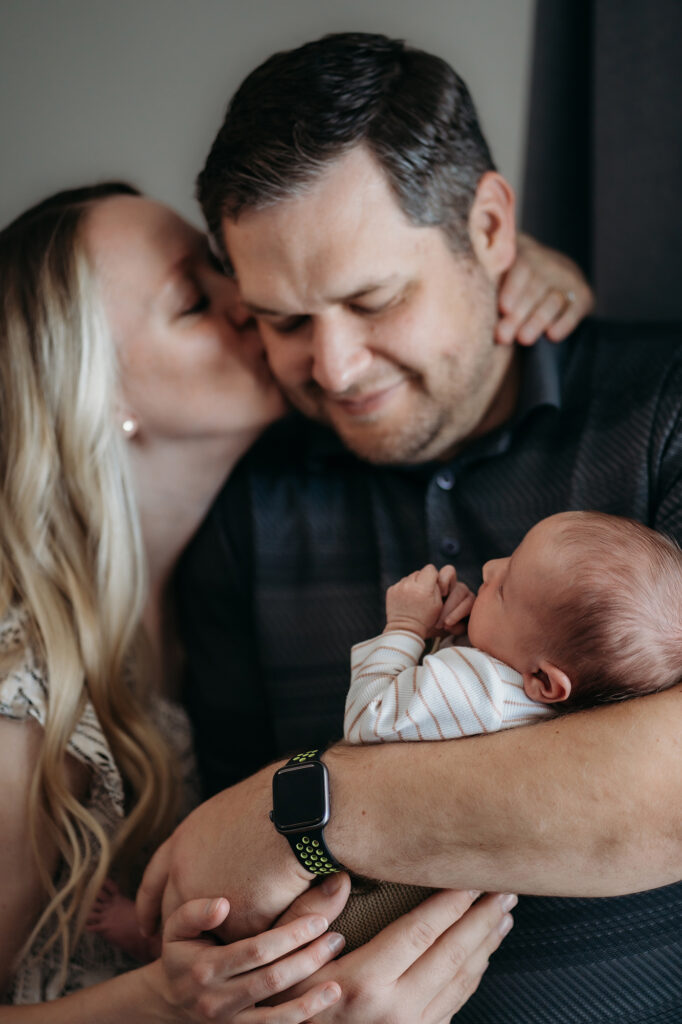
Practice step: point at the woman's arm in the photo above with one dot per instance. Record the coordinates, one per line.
(544, 292)
(193, 974)
(21, 895)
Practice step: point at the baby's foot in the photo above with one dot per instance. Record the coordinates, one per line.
(113, 916)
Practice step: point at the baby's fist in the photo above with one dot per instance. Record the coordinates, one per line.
(415, 602)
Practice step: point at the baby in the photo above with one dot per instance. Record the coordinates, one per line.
(587, 609)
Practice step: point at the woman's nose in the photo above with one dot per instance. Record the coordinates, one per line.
(237, 313)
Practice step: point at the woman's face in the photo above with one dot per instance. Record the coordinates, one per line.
(191, 362)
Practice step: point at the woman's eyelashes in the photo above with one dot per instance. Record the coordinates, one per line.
(199, 305)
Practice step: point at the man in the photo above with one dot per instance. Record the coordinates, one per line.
(354, 195)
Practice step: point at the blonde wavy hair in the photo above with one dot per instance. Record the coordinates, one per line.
(71, 553)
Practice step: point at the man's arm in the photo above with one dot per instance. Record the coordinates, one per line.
(576, 806)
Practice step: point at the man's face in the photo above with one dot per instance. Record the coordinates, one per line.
(371, 324)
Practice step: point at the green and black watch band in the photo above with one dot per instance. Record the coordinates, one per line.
(301, 809)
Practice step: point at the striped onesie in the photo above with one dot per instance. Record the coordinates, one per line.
(457, 691)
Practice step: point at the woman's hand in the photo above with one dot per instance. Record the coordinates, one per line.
(543, 292)
(202, 981)
(422, 967)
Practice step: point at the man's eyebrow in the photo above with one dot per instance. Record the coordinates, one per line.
(365, 289)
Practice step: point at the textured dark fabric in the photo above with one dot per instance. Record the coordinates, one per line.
(604, 156)
(291, 567)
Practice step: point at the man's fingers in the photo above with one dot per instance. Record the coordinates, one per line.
(150, 894)
(296, 1011)
(327, 899)
(460, 987)
(194, 917)
(396, 948)
(480, 927)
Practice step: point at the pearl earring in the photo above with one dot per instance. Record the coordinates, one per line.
(129, 427)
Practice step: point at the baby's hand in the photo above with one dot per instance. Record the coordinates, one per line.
(456, 606)
(416, 601)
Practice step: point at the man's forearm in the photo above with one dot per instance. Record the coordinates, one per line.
(583, 805)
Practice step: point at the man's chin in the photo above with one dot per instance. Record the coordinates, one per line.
(384, 446)
(377, 439)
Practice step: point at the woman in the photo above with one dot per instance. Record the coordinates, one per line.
(90, 532)
(130, 384)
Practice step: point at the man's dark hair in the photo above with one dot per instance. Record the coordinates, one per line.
(303, 109)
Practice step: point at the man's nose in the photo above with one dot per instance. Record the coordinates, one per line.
(340, 355)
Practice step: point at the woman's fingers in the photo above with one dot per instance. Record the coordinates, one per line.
(229, 986)
(544, 292)
(579, 306)
(328, 899)
(226, 982)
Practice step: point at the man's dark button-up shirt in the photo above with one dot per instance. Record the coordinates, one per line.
(291, 568)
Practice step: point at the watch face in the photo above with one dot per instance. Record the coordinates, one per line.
(300, 797)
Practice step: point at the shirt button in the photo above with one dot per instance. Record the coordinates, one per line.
(450, 546)
(446, 480)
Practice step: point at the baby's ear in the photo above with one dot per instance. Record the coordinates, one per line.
(549, 685)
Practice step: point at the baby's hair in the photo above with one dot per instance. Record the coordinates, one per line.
(619, 629)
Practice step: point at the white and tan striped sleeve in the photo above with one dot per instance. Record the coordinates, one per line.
(458, 691)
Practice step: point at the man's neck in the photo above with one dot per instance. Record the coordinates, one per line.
(501, 407)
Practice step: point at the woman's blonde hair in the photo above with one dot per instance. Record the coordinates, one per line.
(70, 549)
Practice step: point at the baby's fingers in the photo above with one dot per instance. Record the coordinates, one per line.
(447, 577)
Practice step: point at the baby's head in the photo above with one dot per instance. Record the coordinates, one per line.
(588, 609)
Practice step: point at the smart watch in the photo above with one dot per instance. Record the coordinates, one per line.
(300, 801)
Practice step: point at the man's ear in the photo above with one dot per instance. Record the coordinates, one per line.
(549, 685)
(492, 225)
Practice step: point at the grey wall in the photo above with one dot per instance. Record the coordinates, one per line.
(92, 89)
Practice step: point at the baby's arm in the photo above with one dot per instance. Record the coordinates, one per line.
(391, 696)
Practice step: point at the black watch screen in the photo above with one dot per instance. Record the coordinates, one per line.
(300, 794)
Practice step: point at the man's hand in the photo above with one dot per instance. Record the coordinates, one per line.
(228, 847)
(416, 601)
(543, 292)
(422, 967)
